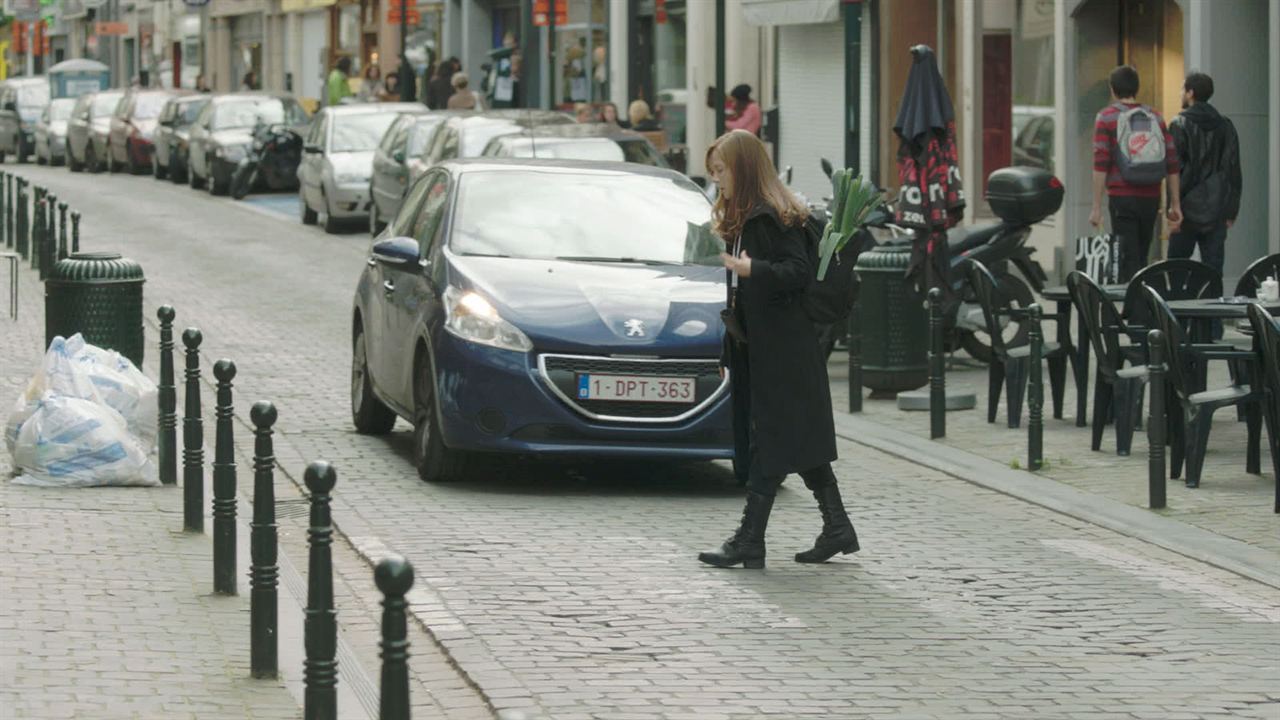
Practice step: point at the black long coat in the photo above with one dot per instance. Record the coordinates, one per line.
(781, 399)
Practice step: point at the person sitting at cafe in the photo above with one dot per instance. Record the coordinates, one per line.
(642, 119)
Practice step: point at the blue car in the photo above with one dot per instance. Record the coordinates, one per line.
(544, 307)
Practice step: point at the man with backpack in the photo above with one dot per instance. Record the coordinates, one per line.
(1209, 152)
(1133, 152)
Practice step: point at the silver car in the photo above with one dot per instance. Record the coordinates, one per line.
(51, 132)
(337, 160)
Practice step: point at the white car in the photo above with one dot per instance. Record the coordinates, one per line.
(337, 160)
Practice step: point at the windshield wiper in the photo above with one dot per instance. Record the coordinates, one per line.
(593, 258)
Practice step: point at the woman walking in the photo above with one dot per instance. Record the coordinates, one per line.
(781, 400)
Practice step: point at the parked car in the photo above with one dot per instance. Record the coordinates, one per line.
(173, 130)
(544, 306)
(133, 128)
(51, 132)
(1033, 141)
(21, 102)
(591, 141)
(337, 160)
(221, 134)
(399, 161)
(87, 130)
(467, 137)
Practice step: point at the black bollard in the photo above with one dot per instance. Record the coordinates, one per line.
(192, 438)
(224, 483)
(50, 248)
(937, 368)
(855, 358)
(37, 231)
(167, 443)
(320, 629)
(62, 230)
(75, 232)
(394, 577)
(4, 209)
(1035, 392)
(263, 549)
(1156, 421)
(20, 219)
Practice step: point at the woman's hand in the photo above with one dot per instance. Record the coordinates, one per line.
(740, 265)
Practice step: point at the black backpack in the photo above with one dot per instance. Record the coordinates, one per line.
(829, 300)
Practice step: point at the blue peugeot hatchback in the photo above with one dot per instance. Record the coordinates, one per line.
(548, 308)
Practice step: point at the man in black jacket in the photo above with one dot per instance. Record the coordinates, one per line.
(1209, 152)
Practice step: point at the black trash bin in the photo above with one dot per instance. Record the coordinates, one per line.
(895, 323)
(98, 295)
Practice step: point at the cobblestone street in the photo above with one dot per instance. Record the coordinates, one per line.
(573, 592)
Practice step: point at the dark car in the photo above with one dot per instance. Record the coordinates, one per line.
(467, 137)
(544, 307)
(87, 130)
(400, 160)
(594, 141)
(51, 132)
(173, 130)
(223, 131)
(21, 102)
(133, 129)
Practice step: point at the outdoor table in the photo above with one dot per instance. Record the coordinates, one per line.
(1202, 312)
(1080, 351)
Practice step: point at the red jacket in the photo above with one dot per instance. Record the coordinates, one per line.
(1104, 147)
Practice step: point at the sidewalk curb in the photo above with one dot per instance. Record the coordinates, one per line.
(1187, 540)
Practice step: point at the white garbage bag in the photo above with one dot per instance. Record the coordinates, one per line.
(73, 442)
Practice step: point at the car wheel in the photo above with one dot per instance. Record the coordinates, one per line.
(134, 168)
(19, 152)
(435, 462)
(308, 215)
(331, 224)
(177, 173)
(215, 187)
(158, 170)
(368, 413)
(40, 160)
(1, 157)
(72, 165)
(112, 167)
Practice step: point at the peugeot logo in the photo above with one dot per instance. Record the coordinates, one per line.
(634, 327)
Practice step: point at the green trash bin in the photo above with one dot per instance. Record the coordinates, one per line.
(895, 322)
(98, 295)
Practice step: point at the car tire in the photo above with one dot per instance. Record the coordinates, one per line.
(157, 170)
(374, 228)
(1, 157)
(194, 180)
(19, 152)
(369, 415)
(435, 462)
(331, 224)
(72, 165)
(177, 173)
(112, 167)
(40, 160)
(215, 187)
(309, 216)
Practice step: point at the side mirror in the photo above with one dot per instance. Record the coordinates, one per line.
(826, 167)
(312, 149)
(396, 251)
(11, 106)
(398, 156)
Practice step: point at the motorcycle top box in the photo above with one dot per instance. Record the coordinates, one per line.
(1023, 195)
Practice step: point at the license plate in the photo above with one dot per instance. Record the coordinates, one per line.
(636, 388)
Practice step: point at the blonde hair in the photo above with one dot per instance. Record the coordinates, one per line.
(638, 112)
(755, 183)
(459, 80)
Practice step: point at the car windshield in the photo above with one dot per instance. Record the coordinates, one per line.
(191, 110)
(33, 96)
(420, 136)
(148, 106)
(587, 217)
(476, 137)
(359, 132)
(60, 110)
(104, 105)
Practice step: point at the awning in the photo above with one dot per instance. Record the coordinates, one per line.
(790, 12)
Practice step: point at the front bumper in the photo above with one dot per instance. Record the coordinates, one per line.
(221, 170)
(139, 151)
(496, 401)
(57, 148)
(348, 201)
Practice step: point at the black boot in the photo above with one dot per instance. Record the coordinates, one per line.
(746, 547)
(837, 534)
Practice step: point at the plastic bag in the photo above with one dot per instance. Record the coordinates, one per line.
(72, 442)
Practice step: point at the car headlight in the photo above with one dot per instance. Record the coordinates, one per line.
(472, 318)
(350, 179)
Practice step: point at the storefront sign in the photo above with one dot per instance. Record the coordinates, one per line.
(393, 15)
(660, 12)
(111, 28)
(303, 5)
(542, 10)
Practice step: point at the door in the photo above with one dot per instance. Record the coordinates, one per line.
(78, 130)
(997, 102)
(384, 184)
(197, 143)
(411, 294)
(312, 166)
(8, 120)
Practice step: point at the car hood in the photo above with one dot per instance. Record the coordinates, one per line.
(146, 127)
(58, 128)
(352, 163)
(591, 307)
(233, 136)
(101, 125)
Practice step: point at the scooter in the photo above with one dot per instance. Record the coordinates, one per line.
(273, 158)
(1000, 246)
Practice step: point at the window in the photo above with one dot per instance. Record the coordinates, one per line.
(358, 133)
(389, 140)
(428, 222)
(408, 210)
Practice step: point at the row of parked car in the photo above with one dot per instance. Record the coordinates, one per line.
(350, 163)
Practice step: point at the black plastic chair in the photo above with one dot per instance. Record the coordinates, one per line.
(1266, 334)
(1190, 412)
(1251, 280)
(1176, 279)
(1010, 365)
(1116, 388)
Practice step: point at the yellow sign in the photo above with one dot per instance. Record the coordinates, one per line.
(302, 5)
(4, 63)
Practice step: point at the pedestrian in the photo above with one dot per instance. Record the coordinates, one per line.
(746, 112)
(338, 85)
(202, 85)
(462, 98)
(440, 89)
(390, 91)
(249, 82)
(1132, 153)
(609, 114)
(642, 119)
(584, 113)
(370, 83)
(781, 400)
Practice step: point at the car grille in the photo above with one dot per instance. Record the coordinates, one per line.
(560, 373)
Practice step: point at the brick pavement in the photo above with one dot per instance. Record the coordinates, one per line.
(572, 592)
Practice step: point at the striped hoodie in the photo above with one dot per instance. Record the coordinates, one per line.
(1104, 149)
